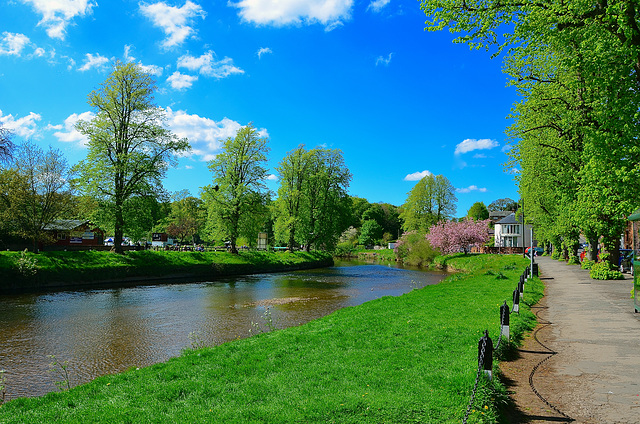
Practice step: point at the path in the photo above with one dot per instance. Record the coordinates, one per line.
(595, 375)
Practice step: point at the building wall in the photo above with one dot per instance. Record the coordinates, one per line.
(522, 238)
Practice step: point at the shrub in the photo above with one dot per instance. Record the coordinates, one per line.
(587, 264)
(602, 271)
(573, 260)
(555, 255)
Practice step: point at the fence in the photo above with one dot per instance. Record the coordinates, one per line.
(486, 350)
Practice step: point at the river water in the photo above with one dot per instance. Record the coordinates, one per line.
(103, 331)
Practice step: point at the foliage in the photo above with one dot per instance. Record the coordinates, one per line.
(430, 201)
(603, 271)
(6, 145)
(186, 219)
(370, 233)
(129, 148)
(478, 211)
(504, 204)
(238, 195)
(295, 374)
(414, 249)
(27, 265)
(452, 237)
(587, 264)
(61, 372)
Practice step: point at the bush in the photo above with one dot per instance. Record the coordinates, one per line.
(587, 264)
(344, 249)
(421, 254)
(602, 271)
(573, 260)
(555, 255)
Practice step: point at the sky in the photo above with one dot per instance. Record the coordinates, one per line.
(360, 76)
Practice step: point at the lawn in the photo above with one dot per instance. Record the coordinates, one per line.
(406, 359)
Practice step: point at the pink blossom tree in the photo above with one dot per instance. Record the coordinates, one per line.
(452, 237)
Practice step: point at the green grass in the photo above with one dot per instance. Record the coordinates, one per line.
(407, 359)
(87, 266)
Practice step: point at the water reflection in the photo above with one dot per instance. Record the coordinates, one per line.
(111, 330)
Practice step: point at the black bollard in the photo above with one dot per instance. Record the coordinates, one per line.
(516, 301)
(521, 288)
(504, 320)
(486, 360)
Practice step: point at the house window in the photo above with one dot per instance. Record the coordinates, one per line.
(62, 236)
(511, 229)
(510, 241)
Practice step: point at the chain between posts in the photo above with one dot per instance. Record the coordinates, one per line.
(484, 344)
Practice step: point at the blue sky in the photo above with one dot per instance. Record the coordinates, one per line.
(360, 76)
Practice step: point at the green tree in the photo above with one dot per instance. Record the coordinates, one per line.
(478, 211)
(129, 149)
(239, 178)
(430, 201)
(6, 145)
(371, 232)
(505, 204)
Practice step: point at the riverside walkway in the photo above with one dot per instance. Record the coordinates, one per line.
(594, 377)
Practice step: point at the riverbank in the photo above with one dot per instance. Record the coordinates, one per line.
(53, 270)
(402, 359)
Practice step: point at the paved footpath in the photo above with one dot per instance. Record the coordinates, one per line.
(597, 336)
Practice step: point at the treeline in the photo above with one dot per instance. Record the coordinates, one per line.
(575, 132)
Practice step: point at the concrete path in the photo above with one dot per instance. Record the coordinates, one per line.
(597, 336)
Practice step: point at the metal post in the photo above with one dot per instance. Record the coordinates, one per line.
(485, 354)
(504, 320)
(531, 251)
(516, 301)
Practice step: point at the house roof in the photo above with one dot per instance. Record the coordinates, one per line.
(493, 215)
(64, 224)
(510, 219)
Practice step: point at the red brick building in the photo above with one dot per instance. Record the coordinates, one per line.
(75, 232)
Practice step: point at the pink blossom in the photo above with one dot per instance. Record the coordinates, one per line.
(452, 237)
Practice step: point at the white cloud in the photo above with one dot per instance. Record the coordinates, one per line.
(417, 176)
(57, 14)
(296, 12)
(180, 81)
(470, 144)
(514, 171)
(127, 53)
(205, 135)
(23, 127)
(149, 69)
(272, 177)
(378, 5)
(470, 189)
(263, 50)
(207, 65)
(176, 22)
(67, 132)
(382, 61)
(39, 52)
(12, 44)
(92, 61)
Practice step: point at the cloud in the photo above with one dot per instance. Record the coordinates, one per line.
(295, 12)
(513, 171)
(378, 5)
(57, 14)
(382, 61)
(417, 176)
(92, 61)
(174, 21)
(12, 44)
(67, 132)
(207, 65)
(263, 50)
(479, 156)
(205, 135)
(470, 189)
(24, 127)
(272, 177)
(180, 81)
(149, 69)
(470, 145)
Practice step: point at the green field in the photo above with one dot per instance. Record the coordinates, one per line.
(55, 269)
(407, 359)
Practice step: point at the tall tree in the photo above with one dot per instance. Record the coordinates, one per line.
(6, 145)
(478, 211)
(431, 200)
(129, 148)
(239, 183)
(39, 192)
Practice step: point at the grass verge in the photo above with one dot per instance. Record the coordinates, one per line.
(404, 359)
(58, 269)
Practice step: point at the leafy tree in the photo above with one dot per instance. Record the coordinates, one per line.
(129, 149)
(38, 192)
(186, 218)
(505, 204)
(452, 237)
(431, 200)
(370, 233)
(478, 211)
(239, 178)
(358, 206)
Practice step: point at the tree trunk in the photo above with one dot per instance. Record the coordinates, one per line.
(292, 237)
(119, 227)
(593, 248)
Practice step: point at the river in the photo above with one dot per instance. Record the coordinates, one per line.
(103, 331)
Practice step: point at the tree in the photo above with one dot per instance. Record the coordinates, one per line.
(129, 149)
(505, 204)
(452, 237)
(6, 145)
(478, 211)
(186, 218)
(239, 178)
(431, 200)
(39, 192)
(370, 233)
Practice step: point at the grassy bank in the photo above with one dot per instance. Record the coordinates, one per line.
(402, 359)
(59, 269)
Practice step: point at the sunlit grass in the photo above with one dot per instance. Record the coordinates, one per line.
(407, 359)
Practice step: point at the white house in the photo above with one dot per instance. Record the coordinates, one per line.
(510, 232)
